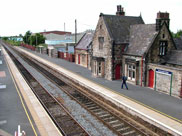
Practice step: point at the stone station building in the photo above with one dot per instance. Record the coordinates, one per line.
(145, 53)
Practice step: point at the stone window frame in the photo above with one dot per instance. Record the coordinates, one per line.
(101, 42)
(95, 67)
(99, 67)
(163, 48)
(131, 69)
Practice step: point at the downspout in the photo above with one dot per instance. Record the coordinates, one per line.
(141, 70)
(171, 84)
(87, 59)
(181, 90)
(113, 59)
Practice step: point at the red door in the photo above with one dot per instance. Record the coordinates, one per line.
(181, 90)
(117, 72)
(151, 78)
(78, 58)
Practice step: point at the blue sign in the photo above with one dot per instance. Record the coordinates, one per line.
(71, 49)
(62, 49)
(53, 42)
(163, 71)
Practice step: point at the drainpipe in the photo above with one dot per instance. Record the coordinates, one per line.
(181, 90)
(87, 59)
(141, 70)
(171, 84)
(112, 59)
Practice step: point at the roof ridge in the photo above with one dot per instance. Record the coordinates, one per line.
(120, 16)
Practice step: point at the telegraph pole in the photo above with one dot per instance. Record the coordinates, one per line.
(75, 31)
(64, 27)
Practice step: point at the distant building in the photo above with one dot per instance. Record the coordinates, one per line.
(16, 38)
(83, 51)
(54, 32)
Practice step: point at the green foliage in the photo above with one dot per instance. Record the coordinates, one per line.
(178, 34)
(5, 38)
(26, 37)
(14, 43)
(33, 39)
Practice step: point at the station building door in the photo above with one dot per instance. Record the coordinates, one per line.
(151, 78)
(117, 72)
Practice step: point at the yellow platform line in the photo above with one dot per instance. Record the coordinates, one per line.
(22, 100)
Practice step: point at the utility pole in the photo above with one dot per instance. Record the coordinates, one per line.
(64, 27)
(75, 32)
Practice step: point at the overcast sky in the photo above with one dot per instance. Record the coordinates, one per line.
(19, 16)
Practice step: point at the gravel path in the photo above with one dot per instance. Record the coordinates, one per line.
(90, 123)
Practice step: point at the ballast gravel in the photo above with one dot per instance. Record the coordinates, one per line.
(93, 126)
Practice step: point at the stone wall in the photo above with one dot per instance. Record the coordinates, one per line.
(153, 54)
(83, 57)
(106, 52)
(163, 82)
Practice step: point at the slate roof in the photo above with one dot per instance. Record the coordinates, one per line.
(178, 42)
(141, 37)
(55, 32)
(119, 26)
(175, 57)
(85, 42)
(69, 37)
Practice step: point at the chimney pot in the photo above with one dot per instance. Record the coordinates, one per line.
(120, 11)
(161, 18)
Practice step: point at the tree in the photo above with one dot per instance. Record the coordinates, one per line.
(20, 35)
(26, 37)
(33, 39)
(178, 34)
(5, 38)
(40, 39)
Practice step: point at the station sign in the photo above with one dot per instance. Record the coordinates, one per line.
(163, 72)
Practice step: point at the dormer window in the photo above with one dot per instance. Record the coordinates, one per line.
(163, 48)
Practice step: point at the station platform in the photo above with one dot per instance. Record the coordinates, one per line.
(157, 108)
(19, 105)
(12, 112)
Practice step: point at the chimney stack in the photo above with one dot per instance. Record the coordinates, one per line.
(120, 11)
(161, 18)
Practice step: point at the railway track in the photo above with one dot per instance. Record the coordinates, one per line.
(120, 125)
(62, 118)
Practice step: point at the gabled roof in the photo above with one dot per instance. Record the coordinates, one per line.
(119, 26)
(141, 37)
(85, 42)
(178, 42)
(175, 57)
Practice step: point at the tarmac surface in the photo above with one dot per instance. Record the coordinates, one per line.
(163, 103)
(12, 112)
